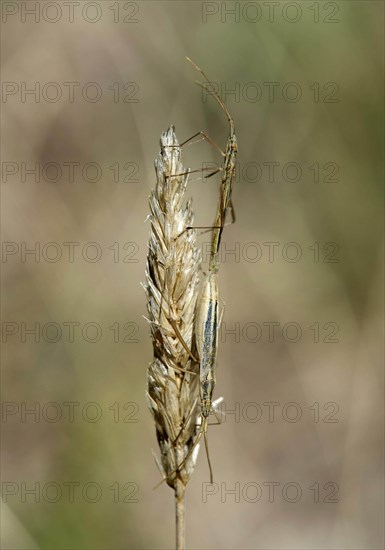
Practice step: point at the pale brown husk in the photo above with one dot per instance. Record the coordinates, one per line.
(172, 278)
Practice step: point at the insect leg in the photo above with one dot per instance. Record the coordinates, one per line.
(207, 450)
(231, 208)
(206, 169)
(221, 314)
(204, 137)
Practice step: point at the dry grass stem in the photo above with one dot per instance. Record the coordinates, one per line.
(172, 279)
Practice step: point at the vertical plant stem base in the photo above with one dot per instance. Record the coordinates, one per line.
(180, 502)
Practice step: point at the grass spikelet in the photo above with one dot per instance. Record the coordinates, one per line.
(172, 278)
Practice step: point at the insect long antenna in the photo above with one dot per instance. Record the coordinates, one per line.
(212, 91)
(207, 452)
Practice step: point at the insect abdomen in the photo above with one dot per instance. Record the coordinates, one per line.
(206, 328)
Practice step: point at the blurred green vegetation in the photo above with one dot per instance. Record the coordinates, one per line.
(116, 448)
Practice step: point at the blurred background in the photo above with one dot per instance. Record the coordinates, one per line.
(87, 89)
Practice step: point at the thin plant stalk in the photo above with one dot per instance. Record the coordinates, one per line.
(180, 509)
